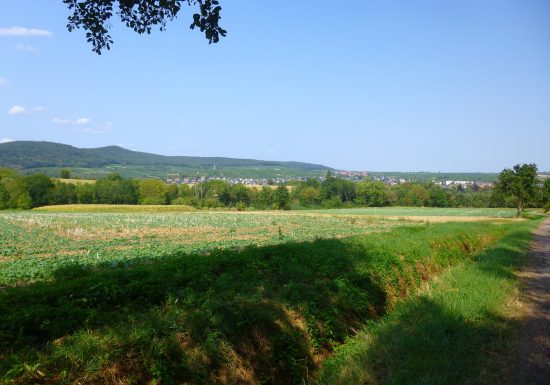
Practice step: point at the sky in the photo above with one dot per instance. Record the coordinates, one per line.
(425, 85)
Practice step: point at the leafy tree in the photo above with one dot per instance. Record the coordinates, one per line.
(346, 190)
(217, 193)
(39, 187)
(519, 183)
(94, 16)
(152, 192)
(112, 190)
(333, 187)
(185, 195)
(438, 197)
(310, 196)
(413, 194)
(113, 176)
(329, 187)
(4, 197)
(65, 173)
(241, 194)
(19, 197)
(13, 191)
(171, 193)
(372, 194)
(85, 193)
(8, 173)
(265, 198)
(312, 182)
(62, 194)
(281, 198)
(546, 194)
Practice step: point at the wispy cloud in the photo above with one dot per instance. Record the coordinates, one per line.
(20, 110)
(101, 129)
(83, 125)
(83, 120)
(3, 82)
(17, 110)
(6, 140)
(70, 122)
(24, 32)
(27, 48)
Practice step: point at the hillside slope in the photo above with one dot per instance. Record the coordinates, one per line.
(27, 155)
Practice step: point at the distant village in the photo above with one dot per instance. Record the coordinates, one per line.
(355, 176)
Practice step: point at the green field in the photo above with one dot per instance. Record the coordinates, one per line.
(34, 244)
(424, 211)
(218, 297)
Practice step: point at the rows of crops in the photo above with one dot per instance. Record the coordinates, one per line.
(33, 245)
(426, 211)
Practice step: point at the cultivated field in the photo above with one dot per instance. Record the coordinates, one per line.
(207, 297)
(34, 244)
(425, 212)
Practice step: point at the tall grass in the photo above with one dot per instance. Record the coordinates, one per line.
(457, 330)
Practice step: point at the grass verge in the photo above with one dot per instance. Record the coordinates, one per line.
(457, 330)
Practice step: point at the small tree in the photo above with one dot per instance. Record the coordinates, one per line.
(152, 192)
(281, 198)
(546, 195)
(65, 173)
(519, 183)
(39, 187)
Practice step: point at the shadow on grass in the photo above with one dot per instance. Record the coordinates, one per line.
(457, 332)
(258, 315)
(427, 344)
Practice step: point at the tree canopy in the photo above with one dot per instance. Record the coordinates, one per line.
(520, 183)
(95, 16)
(546, 195)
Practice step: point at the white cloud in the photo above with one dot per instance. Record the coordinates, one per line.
(27, 48)
(3, 82)
(21, 31)
(69, 122)
(101, 129)
(20, 110)
(83, 120)
(17, 110)
(6, 140)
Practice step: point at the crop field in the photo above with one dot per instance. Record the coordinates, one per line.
(206, 297)
(34, 244)
(425, 212)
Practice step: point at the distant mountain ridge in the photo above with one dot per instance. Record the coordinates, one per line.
(31, 155)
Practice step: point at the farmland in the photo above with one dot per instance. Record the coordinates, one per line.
(34, 244)
(424, 212)
(210, 297)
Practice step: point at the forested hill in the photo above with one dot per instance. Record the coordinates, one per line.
(31, 155)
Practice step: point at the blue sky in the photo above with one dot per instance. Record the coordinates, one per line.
(369, 85)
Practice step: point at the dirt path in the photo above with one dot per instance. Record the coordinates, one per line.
(534, 360)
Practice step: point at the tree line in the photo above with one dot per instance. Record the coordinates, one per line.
(34, 190)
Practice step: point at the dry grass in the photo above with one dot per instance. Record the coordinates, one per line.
(76, 181)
